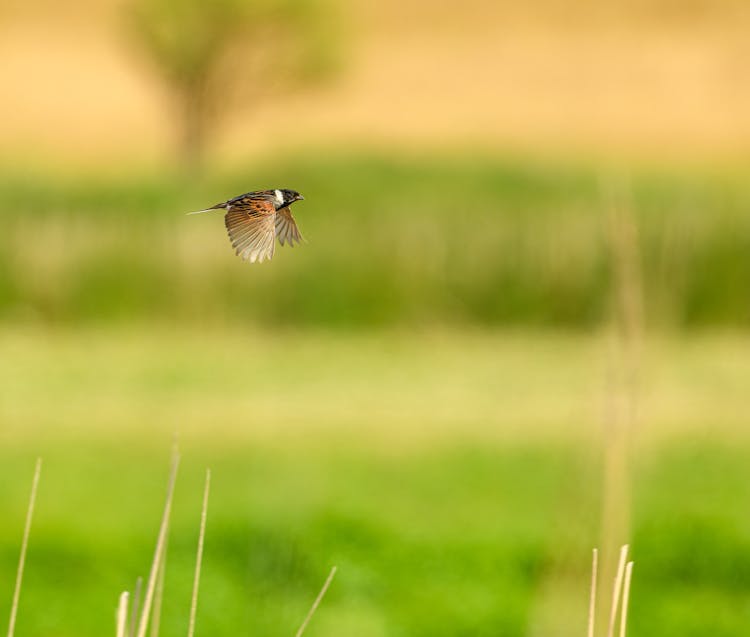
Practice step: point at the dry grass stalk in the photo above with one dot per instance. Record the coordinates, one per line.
(625, 599)
(620, 593)
(24, 547)
(199, 555)
(628, 278)
(135, 607)
(592, 599)
(617, 590)
(626, 346)
(159, 594)
(159, 552)
(154, 586)
(316, 603)
(122, 614)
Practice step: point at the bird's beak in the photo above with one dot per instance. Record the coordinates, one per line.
(300, 197)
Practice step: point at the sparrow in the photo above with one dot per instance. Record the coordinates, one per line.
(255, 219)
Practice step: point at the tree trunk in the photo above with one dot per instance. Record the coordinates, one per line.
(193, 131)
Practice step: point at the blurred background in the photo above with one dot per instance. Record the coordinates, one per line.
(519, 329)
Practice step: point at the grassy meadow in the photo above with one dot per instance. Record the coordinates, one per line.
(461, 540)
(420, 396)
(519, 329)
(458, 241)
(454, 479)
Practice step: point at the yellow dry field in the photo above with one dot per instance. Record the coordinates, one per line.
(662, 79)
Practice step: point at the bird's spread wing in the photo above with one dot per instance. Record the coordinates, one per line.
(286, 228)
(250, 225)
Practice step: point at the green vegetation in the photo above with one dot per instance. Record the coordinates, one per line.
(451, 471)
(439, 542)
(451, 241)
(452, 477)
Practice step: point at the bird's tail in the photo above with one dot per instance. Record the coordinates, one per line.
(198, 212)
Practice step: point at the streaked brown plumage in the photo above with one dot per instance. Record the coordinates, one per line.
(254, 220)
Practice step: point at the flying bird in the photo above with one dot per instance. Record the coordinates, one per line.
(255, 219)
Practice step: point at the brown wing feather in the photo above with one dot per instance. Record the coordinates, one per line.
(250, 225)
(286, 228)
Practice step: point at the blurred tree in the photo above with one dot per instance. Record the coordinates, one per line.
(214, 55)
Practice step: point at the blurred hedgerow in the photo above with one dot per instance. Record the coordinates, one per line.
(215, 57)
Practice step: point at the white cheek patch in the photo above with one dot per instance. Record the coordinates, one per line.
(279, 196)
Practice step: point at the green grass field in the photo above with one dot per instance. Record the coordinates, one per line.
(420, 396)
(446, 240)
(453, 477)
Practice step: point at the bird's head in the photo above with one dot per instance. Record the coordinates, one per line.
(290, 196)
